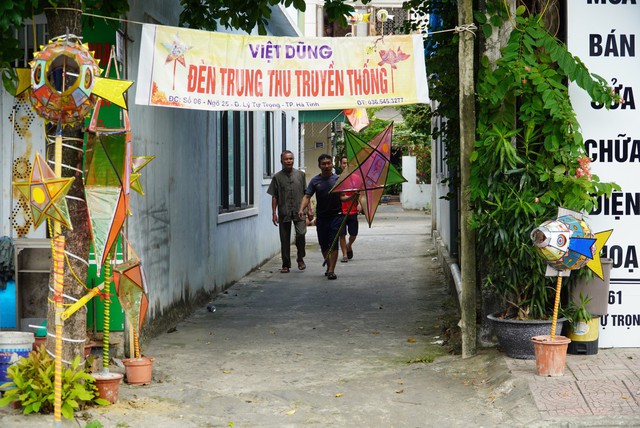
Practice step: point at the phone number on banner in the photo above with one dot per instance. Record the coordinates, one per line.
(380, 101)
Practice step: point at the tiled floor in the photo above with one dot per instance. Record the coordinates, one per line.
(607, 383)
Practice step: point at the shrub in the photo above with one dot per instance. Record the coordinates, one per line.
(32, 385)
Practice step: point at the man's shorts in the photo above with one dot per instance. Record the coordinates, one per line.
(327, 229)
(350, 226)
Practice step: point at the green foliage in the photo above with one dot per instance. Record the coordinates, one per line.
(13, 13)
(441, 50)
(528, 160)
(32, 385)
(412, 136)
(577, 312)
(249, 14)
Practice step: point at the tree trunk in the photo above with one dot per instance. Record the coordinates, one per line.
(62, 22)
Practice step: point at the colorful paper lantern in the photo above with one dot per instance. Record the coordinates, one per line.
(62, 78)
(45, 194)
(567, 243)
(369, 169)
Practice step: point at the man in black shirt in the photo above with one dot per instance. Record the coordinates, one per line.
(328, 210)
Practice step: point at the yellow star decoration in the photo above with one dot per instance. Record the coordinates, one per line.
(46, 194)
(112, 90)
(138, 163)
(595, 264)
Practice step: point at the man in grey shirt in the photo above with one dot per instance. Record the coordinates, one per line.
(287, 189)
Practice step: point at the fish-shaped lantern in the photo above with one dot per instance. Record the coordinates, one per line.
(567, 243)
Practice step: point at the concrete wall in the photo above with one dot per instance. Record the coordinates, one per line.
(414, 196)
(443, 210)
(187, 247)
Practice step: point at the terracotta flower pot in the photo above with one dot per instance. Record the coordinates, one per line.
(108, 385)
(551, 355)
(138, 370)
(38, 342)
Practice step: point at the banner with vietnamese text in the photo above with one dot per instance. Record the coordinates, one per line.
(203, 70)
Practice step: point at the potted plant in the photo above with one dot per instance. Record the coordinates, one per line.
(32, 385)
(529, 159)
(597, 289)
(582, 326)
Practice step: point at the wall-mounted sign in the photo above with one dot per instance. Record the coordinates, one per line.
(605, 35)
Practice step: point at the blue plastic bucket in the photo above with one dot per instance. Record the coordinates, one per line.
(13, 345)
(8, 305)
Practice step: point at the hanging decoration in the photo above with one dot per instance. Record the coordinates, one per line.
(64, 82)
(382, 15)
(45, 193)
(108, 165)
(138, 162)
(369, 170)
(358, 17)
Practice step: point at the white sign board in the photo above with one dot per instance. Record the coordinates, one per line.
(605, 35)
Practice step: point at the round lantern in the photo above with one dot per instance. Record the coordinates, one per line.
(62, 78)
(382, 15)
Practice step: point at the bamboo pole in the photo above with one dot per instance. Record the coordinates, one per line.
(58, 278)
(556, 307)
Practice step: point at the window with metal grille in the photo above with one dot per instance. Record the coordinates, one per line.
(394, 24)
(268, 146)
(31, 36)
(283, 127)
(235, 161)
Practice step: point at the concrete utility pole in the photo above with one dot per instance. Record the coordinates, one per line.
(467, 139)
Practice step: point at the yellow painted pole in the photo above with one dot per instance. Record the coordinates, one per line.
(80, 303)
(556, 306)
(58, 272)
(58, 278)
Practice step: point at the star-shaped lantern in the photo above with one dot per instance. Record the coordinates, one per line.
(45, 194)
(138, 163)
(369, 170)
